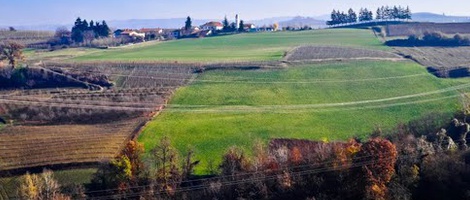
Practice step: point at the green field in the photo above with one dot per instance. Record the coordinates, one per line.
(333, 101)
(241, 47)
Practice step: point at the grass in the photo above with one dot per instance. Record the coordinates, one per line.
(322, 101)
(241, 47)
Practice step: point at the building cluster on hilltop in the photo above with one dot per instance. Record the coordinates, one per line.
(189, 31)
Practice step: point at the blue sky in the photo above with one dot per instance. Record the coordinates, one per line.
(30, 12)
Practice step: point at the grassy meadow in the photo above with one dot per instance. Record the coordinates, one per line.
(332, 101)
(241, 47)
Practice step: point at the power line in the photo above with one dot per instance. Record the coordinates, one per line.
(251, 179)
(244, 174)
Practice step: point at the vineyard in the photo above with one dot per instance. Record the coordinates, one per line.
(73, 126)
(421, 28)
(442, 61)
(321, 53)
(38, 146)
(27, 38)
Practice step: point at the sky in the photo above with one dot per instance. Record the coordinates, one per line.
(36, 12)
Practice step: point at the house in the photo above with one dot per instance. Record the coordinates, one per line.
(128, 33)
(189, 33)
(132, 34)
(176, 33)
(118, 32)
(201, 33)
(151, 33)
(249, 27)
(266, 29)
(213, 26)
(151, 30)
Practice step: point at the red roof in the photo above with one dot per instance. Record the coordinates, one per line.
(143, 30)
(213, 24)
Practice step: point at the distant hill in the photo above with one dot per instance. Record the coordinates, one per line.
(269, 21)
(303, 21)
(438, 18)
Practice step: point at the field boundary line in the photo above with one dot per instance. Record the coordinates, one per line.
(303, 106)
(254, 109)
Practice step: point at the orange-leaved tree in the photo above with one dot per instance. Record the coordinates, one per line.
(134, 151)
(377, 159)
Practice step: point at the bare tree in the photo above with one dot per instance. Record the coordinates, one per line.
(11, 51)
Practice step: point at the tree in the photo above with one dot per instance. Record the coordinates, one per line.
(407, 13)
(379, 14)
(134, 151)
(77, 31)
(365, 15)
(242, 26)
(112, 176)
(377, 157)
(42, 186)
(11, 28)
(63, 36)
(188, 24)
(276, 26)
(334, 18)
(164, 159)
(105, 31)
(11, 51)
(233, 162)
(92, 25)
(352, 16)
(226, 24)
(29, 188)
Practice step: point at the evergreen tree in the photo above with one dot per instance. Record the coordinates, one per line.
(379, 14)
(334, 18)
(84, 25)
(226, 24)
(407, 13)
(105, 31)
(92, 25)
(242, 26)
(388, 13)
(395, 13)
(77, 32)
(362, 17)
(352, 16)
(188, 24)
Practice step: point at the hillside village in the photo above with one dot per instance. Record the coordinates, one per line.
(210, 28)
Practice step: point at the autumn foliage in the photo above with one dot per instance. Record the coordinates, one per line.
(377, 158)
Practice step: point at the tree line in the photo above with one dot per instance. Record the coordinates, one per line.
(384, 12)
(83, 31)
